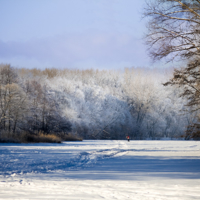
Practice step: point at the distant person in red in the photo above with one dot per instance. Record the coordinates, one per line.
(128, 138)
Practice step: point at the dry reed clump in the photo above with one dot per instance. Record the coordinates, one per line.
(29, 138)
(42, 138)
(9, 140)
(26, 137)
(196, 135)
(70, 137)
(6, 137)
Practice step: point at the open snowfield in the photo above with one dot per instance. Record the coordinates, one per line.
(101, 170)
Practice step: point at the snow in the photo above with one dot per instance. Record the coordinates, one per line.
(101, 170)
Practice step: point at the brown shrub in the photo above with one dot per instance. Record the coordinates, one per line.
(9, 140)
(41, 138)
(25, 137)
(196, 135)
(70, 137)
(193, 132)
(29, 138)
(6, 137)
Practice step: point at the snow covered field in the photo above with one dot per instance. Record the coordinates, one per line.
(101, 170)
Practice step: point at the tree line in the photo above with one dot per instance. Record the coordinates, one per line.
(93, 104)
(173, 33)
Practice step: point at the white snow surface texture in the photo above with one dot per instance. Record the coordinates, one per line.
(101, 170)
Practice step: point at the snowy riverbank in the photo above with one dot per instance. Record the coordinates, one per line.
(101, 170)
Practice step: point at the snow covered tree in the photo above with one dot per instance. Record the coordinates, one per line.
(174, 33)
(12, 99)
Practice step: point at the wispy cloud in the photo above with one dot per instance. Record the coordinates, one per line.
(70, 50)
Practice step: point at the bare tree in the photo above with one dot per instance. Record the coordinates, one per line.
(12, 99)
(173, 28)
(189, 79)
(174, 33)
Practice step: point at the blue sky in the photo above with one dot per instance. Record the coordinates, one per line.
(102, 34)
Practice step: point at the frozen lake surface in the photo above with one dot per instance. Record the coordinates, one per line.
(101, 170)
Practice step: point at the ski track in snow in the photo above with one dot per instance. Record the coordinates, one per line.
(19, 161)
(142, 170)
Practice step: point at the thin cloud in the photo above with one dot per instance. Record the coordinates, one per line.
(68, 50)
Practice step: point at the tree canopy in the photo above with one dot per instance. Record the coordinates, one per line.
(173, 29)
(173, 33)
